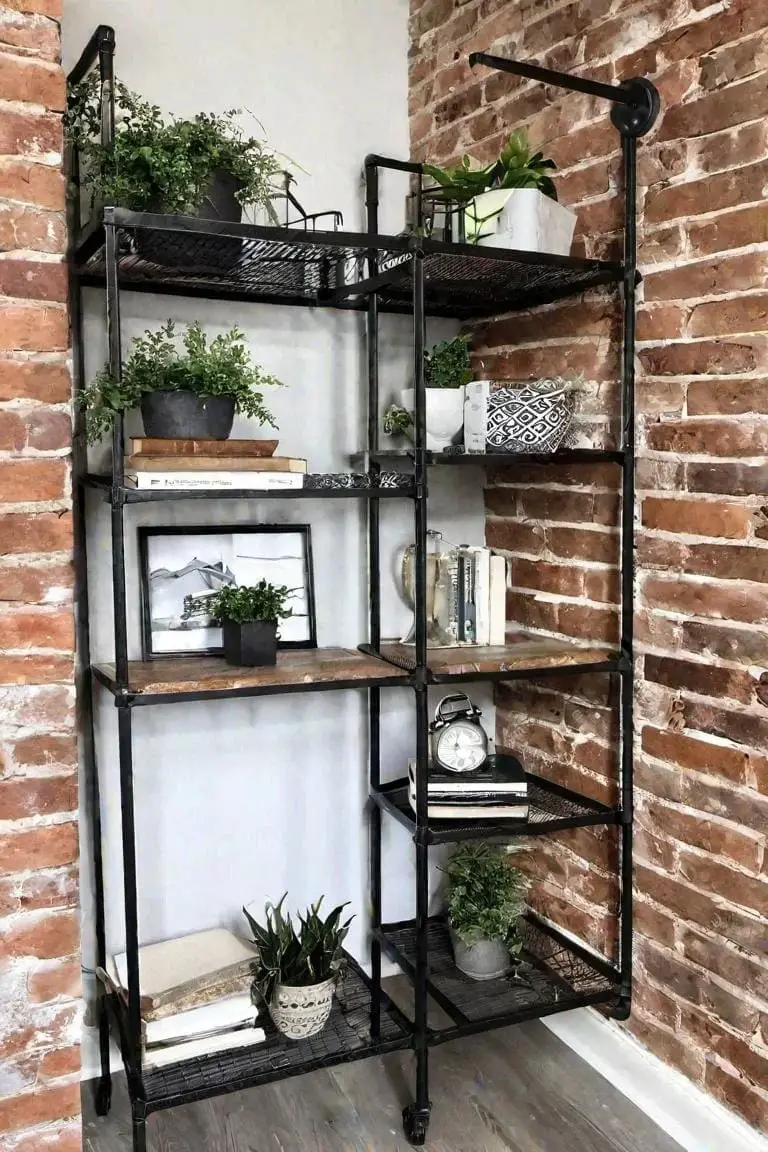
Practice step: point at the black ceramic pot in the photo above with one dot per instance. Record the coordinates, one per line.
(251, 645)
(209, 255)
(186, 416)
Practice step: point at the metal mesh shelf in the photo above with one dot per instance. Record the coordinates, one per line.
(182, 255)
(346, 1037)
(317, 486)
(554, 976)
(551, 809)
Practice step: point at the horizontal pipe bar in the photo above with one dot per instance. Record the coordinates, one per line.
(612, 92)
(374, 161)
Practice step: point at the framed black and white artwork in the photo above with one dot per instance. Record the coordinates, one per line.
(180, 566)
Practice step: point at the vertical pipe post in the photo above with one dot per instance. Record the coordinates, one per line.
(125, 748)
(629, 151)
(420, 687)
(118, 476)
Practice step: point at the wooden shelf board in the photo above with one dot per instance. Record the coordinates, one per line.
(525, 653)
(295, 668)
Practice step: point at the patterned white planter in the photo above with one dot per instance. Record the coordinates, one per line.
(521, 218)
(302, 1012)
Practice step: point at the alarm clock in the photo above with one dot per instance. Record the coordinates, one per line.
(457, 738)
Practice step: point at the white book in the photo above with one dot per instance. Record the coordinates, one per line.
(505, 811)
(476, 415)
(175, 967)
(466, 786)
(252, 481)
(498, 601)
(482, 583)
(197, 1023)
(224, 1042)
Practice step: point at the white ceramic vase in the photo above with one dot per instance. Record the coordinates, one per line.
(302, 1012)
(485, 960)
(445, 415)
(521, 218)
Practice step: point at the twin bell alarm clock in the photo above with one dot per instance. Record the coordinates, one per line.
(457, 738)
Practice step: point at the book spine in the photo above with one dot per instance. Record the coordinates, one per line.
(206, 464)
(252, 481)
(482, 580)
(476, 415)
(154, 446)
(498, 601)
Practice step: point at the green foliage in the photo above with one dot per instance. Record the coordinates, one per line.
(447, 365)
(397, 421)
(486, 895)
(159, 165)
(297, 958)
(156, 364)
(262, 601)
(517, 167)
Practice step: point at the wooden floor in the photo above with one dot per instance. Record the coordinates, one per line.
(515, 1090)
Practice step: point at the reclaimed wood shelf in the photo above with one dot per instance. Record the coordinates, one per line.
(522, 657)
(174, 679)
(551, 808)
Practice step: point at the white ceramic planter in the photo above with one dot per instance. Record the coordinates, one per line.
(521, 218)
(445, 414)
(485, 960)
(302, 1012)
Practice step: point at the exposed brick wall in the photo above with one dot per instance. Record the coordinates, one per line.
(39, 922)
(701, 997)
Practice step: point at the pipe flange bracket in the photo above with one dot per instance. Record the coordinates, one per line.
(639, 117)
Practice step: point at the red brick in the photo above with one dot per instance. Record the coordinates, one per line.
(662, 322)
(701, 358)
(38, 848)
(33, 328)
(697, 517)
(36, 669)
(22, 481)
(720, 798)
(551, 578)
(39, 890)
(596, 361)
(703, 679)
(667, 1046)
(698, 755)
(651, 922)
(727, 397)
(41, 533)
(33, 279)
(39, 630)
(707, 278)
(721, 317)
(737, 1094)
(47, 936)
(31, 82)
(35, 585)
(35, 184)
(725, 961)
(718, 601)
(29, 134)
(741, 645)
(730, 230)
(40, 1107)
(584, 318)
(52, 8)
(650, 848)
(721, 839)
(583, 544)
(55, 979)
(41, 796)
(30, 33)
(740, 727)
(729, 149)
(35, 380)
(45, 751)
(717, 110)
(511, 536)
(587, 143)
(712, 437)
(734, 62)
(653, 1002)
(660, 246)
(731, 189)
(726, 882)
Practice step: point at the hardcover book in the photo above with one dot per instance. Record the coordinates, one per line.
(153, 446)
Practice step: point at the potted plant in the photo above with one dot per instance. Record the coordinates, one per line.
(511, 203)
(190, 393)
(249, 618)
(297, 971)
(447, 371)
(486, 898)
(205, 165)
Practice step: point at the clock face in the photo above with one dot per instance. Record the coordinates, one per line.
(461, 747)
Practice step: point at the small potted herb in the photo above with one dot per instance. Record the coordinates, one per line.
(297, 970)
(486, 898)
(511, 203)
(205, 165)
(249, 619)
(189, 393)
(447, 371)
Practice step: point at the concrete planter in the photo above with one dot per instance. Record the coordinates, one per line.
(521, 218)
(445, 415)
(485, 960)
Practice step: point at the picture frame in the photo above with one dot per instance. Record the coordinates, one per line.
(178, 563)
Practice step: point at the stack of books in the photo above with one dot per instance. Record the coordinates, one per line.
(194, 994)
(163, 465)
(497, 791)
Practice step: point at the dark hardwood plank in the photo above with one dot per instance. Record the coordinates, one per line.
(516, 1090)
(520, 653)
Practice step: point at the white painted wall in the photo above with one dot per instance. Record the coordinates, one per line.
(239, 801)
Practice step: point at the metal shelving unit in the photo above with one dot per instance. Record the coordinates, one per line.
(184, 256)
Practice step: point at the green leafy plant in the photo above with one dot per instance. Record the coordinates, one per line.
(262, 601)
(486, 895)
(164, 165)
(447, 364)
(517, 166)
(310, 955)
(397, 421)
(222, 367)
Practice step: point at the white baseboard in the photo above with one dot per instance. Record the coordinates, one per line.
(681, 1109)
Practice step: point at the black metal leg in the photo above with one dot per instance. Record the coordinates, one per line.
(103, 1098)
(139, 1126)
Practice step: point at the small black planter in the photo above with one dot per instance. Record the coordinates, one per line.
(251, 645)
(211, 256)
(186, 416)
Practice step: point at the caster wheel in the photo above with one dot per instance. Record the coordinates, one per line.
(103, 1101)
(415, 1125)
